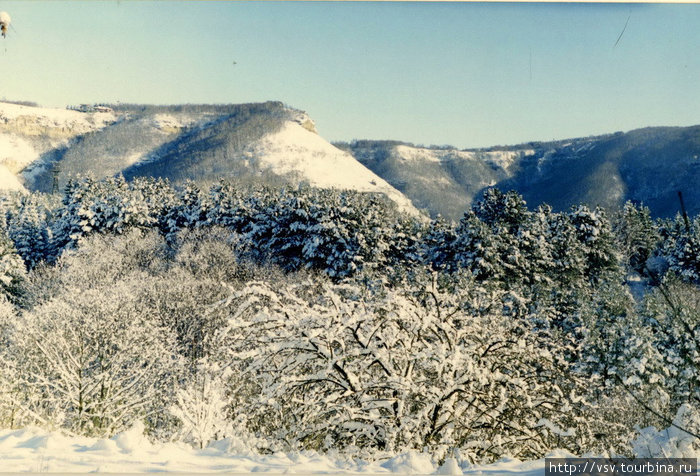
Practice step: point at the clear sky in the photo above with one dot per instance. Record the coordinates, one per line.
(465, 74)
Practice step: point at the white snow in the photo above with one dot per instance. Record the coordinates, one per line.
(415, 153)
(135, 157)
(296, 150)
(16, 153)
(9, 181)
(168, 121)
(502, 158)
(75, 121)
(499, 158)
(38, 451)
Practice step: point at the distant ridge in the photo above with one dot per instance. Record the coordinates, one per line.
(647, 166)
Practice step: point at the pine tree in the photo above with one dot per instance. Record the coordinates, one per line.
(636, 236)
(28, 225)
(13, 272)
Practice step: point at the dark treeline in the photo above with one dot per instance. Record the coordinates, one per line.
(321, 319)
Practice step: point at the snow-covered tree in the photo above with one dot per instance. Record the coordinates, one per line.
(95, 360)
(594, 233)
(201, 405)
(28, 226)
(636, 235)
(680, 248)
(669, 356)
(398, 368)
(13, 272)
(107, 206)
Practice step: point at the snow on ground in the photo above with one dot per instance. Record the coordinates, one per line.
(37, 451)
(296, 150)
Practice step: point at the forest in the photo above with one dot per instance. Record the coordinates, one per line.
(303, 318)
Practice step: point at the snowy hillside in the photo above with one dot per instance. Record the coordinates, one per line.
(42, 148)
(645, 166)
(297, 151)
(442, 181)
(500, 159)
(9, 181)
(277, 145)
(26, 133)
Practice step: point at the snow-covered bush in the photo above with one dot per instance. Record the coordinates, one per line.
(11, 392)
(13, 272)
(667, 347)
(94, 361)
(342, 366)
(200, 405)
(674, 441)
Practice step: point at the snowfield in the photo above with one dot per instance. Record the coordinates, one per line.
(296, 150)
(37, 451)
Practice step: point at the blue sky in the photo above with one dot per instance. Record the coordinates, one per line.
(466, 74)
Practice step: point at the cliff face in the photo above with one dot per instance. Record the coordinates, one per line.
(51, 124)
(27, 133)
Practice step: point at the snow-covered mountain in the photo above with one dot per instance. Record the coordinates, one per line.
(647, 166)
(43, 148)
(27, 133)
(297, 151)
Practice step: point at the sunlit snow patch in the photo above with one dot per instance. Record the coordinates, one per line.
(9, 181)
(298, 151)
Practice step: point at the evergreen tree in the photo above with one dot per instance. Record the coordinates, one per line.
(636, 236)
(13, 272)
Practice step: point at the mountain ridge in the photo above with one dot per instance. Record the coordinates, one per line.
(42, 148)
(648, 165)
(201, 143)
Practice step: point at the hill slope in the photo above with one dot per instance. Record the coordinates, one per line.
(265, 142)
(647, 165)
(41, 149)
(441, 181)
